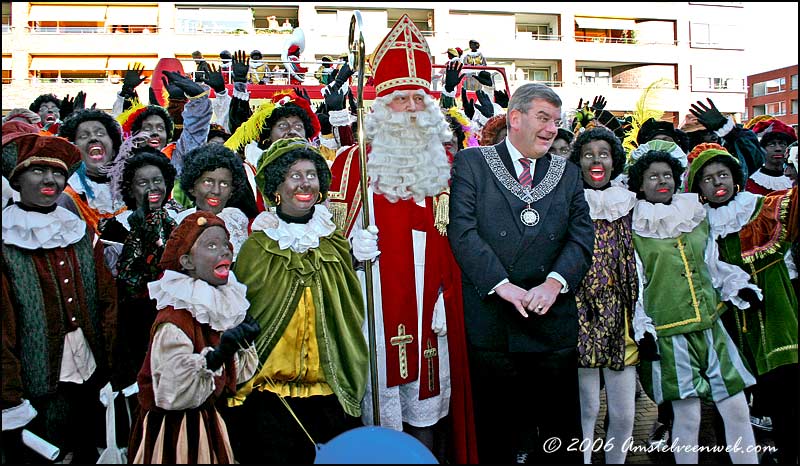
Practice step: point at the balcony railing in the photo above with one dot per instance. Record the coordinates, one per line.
(86, 30)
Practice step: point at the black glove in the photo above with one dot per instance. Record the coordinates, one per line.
(749, 295)
(342, 76)
(334, 99)
(80, 101)
(214, 79)
(351, 100)
(709, 117)
(484, 104)
(133, 77)
(467, 103)
(186, 85)
(240, 65)
(230, 341)
(151, 95)
(648, 349)
(174, 91)
(66, 107)
(599, 103)
(452, 75)
(501, 98)
(303, 94)
(112, 230)
(324, 123)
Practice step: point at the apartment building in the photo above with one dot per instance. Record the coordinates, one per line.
(581, 49)
(773, 93)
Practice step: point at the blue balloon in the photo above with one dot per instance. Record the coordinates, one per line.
(374, 445)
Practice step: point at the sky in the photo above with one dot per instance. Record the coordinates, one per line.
(772, 36)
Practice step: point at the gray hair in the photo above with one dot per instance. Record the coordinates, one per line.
(522, 97)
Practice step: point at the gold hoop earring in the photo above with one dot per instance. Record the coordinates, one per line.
(277, 199)
(320, 198)
(737, 188)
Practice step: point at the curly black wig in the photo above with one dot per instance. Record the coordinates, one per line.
(141, 157)
(601, 132)
(69, 127)
(209, 157)
(42, 99)
(728, 161)
(282, 112)
(636, 171)
(566, 135)
(275, 172)
(154, 110)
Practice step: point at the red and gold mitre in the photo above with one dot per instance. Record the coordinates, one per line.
(403, 60)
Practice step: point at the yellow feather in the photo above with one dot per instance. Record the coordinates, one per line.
(251, 129)
(135, 106)
(644, 111)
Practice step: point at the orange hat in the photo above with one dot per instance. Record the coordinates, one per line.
(403, 60)
(185, 235)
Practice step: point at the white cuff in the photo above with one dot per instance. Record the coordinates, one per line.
(339, 117)
(240, 91)
(452, 95)
(479, 118)
(18, 416)
(330, 143)
(557, 277)
(502, 282)
(726, 128)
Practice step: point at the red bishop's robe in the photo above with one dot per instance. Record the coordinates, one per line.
(395, 222)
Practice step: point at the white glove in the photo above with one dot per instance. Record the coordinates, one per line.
(107, 394)
(439, 322)
(263, 221)
(365, 244)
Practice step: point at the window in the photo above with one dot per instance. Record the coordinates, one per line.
(794, 82)
(536, 74)
(213, 20)
(769, 87)
(794, 106)
(776, 108)
(6, 19)
(594, 76)
(705, 83)
(534, 31)
(723, 36)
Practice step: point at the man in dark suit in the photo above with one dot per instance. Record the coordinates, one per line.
(523, 238)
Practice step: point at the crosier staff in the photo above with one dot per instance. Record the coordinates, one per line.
(355, 60)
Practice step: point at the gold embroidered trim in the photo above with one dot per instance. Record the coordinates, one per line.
(401, 81)
(697, 317)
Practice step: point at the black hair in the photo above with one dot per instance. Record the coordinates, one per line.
(217, 131)
(566, 135)
(636, 171)
(143, 156)
(275, 172)
(34, 107)
(154, 110)
(605, 134)
(69, 127)
(209, 157)
(775, 135)
(283, 112)
(728, 161)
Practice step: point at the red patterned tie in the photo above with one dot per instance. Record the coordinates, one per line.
(525, 178)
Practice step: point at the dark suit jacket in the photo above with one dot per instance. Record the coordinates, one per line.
(490, 243)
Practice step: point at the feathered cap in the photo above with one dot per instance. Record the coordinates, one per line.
(403, 60)
(252, 129)
(644, 111)
(771, 129)
(586, 119)
(469, 134)
(657, 144)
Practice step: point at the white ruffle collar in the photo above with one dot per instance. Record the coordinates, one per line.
(102, 201)
(663, 221)
(731, 217)
(222, 307)
(775, 183)
(610, 203)
(300, 237)
(35, 230)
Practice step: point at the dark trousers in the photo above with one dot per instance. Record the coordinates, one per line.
(526, 402)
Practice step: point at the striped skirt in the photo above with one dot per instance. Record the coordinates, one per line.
(196, 436)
